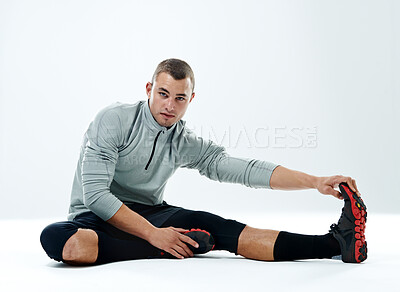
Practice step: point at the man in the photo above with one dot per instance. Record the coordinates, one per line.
(117, 211)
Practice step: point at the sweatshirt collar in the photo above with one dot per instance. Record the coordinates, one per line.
(151, 122)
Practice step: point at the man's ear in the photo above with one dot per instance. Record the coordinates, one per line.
(149, 86)
(193, 94)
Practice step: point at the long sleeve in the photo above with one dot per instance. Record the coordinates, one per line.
(215, 163)
(98, 164)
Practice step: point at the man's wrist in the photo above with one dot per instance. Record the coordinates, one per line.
(314, 181)
(148, 232)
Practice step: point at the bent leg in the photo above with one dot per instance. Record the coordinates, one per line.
(72, 242)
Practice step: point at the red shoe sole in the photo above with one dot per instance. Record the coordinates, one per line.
(359, 211)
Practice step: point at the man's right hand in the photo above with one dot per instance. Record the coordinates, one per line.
(172, 241)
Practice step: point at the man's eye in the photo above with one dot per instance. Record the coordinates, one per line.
(162, 93)
(180, 98)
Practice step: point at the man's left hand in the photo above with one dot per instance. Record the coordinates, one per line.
(327, 185)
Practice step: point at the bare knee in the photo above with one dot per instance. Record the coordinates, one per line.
(257, 243)
(81, 248)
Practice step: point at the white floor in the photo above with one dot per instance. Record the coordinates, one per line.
(25, 267)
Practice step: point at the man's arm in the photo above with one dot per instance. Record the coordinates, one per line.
(286, 179)
(169, 239)
(212, 161)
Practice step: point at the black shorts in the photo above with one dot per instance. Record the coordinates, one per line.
(117, 245)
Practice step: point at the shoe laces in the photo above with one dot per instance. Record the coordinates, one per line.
(334, 228)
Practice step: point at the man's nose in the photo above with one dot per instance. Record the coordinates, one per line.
(170, 104)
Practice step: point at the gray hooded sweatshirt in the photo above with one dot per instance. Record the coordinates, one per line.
(127, 157)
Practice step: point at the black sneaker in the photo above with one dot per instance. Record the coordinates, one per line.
(203, 238)
(350, 229)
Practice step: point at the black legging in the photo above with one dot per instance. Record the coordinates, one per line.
(117, 245)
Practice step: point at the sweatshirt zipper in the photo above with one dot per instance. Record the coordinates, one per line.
(152, 151)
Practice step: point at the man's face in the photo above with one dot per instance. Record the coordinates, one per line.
(169, 98)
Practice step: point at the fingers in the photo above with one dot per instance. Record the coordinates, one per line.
(185, 238)
(338, 195)
(184, 250)
(182, 247)
(180, 230)
(175, 254)
(337, 179)
(178, 246)
(180, 251)
(190, 241)
(331, 191)
(350, 182)
(355, 185)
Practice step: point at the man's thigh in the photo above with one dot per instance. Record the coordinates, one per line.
(226, 232)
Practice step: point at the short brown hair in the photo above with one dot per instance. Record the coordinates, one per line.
(178, 69)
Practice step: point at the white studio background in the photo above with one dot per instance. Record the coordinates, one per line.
(311, 85)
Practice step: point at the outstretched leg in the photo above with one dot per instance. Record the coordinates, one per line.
(254, 243)
(270, 245)
(346, 238)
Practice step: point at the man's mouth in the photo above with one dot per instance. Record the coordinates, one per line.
(167, 116)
